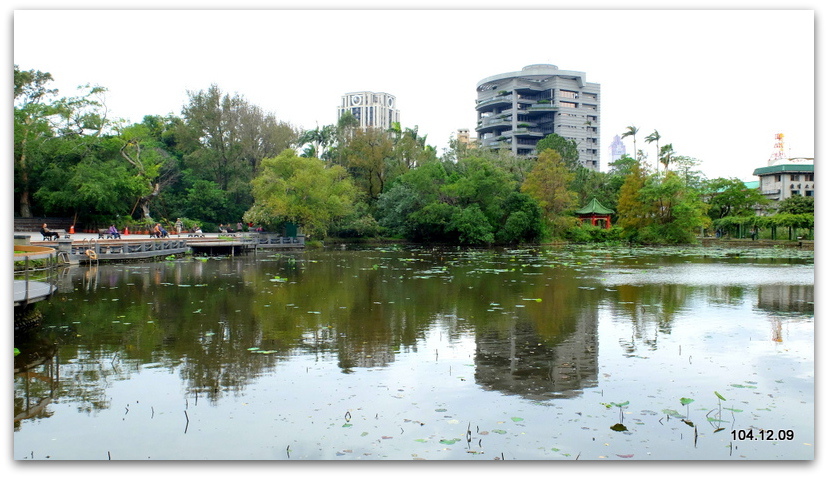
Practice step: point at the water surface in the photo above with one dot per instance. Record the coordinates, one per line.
(403, 353)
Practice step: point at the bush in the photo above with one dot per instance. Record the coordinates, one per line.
(587, 233)
(472, 226)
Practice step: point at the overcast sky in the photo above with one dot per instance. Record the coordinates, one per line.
(717, 84)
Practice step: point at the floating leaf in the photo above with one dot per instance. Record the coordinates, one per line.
(622, 404)
(499, 431)
(618, 427)
(517, 419)
(421, 440)
(672, 413)
(449, 441)
(346, 425)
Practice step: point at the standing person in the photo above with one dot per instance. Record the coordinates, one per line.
(239, 227)
(178, 226)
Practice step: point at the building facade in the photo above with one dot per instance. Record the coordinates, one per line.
(372, 110)
(465, 139)
(515, 110)
(783, 178)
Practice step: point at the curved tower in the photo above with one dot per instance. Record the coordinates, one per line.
(517, 109)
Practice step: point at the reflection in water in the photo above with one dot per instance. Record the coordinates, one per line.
(521, 363)
(222, 326)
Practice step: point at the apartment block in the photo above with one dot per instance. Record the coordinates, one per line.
(517, 109)
(372, 110)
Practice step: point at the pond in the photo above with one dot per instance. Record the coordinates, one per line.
(419, 353)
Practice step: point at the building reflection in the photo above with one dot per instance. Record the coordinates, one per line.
(539, 368)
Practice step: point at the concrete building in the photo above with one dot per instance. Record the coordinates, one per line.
(464, 138)
(517, 109)
(783, 178)
(373, 110)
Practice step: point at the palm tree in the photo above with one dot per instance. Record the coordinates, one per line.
(654, 136)
(631, 131)
(666, 155)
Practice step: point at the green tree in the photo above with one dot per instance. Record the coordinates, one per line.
(665, 156)
(633, 213)
(730, 197)
(42, 121)
(548, 184)
(472, 226)
(224, 139)
(796, 205)
(153, 168)
(368, 156)
(632, 131)
(290, 188)
(654, 137)
(567, 148)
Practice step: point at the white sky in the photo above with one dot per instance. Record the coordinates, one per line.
(717, 84)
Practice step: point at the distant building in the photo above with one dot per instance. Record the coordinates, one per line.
(783, 178)
(464, 138)
(515, 110)
(617, 149)
(372, 110)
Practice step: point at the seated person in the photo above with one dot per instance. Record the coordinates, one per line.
(113, 231)
(197, 230)
(48, 233)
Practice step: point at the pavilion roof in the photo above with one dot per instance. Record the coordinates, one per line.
(594, 207)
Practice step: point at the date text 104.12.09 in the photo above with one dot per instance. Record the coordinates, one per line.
(762, 434)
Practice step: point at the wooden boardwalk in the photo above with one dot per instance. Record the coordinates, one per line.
(128, 248)
(30, 291)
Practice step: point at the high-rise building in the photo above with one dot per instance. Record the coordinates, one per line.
(373, 110)
(617, 149)
(515, 110)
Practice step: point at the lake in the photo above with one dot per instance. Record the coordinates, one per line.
(420, 353)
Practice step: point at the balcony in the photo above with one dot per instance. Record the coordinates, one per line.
(492, 102)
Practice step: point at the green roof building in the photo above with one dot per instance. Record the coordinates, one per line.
(784, 178)
(596, 213)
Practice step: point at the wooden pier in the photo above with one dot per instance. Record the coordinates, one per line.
(129, 248)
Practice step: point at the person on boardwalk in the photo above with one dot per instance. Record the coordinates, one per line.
(178, 226)
(159, 231)
(48, 233)
(113, 231)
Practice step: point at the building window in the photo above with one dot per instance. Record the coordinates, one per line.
(795, 192)
(778, 178)
(809, 193)
(794, 177)
(809, 177)
(567, 104)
